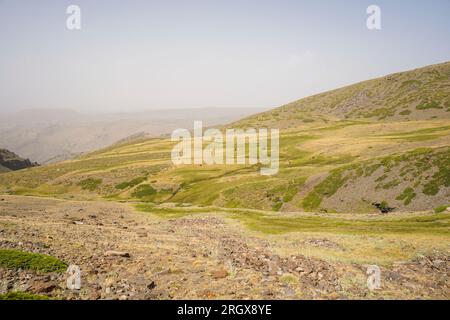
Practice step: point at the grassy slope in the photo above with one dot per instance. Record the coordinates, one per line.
(339, 158)
(421, 94)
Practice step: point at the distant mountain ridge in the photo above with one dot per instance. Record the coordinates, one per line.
(49, 136)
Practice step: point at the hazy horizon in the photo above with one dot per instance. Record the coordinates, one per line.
(94, 112)
(149, 55)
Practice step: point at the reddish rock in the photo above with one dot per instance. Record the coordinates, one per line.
(219, 274)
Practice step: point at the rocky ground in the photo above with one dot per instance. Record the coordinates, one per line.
(124, 254)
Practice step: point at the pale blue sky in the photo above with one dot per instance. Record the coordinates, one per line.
(134, 55)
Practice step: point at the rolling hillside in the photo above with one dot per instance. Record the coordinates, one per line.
(420, 94)
(379, 145)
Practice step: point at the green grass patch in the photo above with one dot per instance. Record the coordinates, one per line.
(130, 184)
(275, 224)
(326, 188)
(418, 133)
(380, 113)
(409, 83)
(293, 188)
(436, 224)
(407, 196)
(441, 209)
(277, 206)
(442, 177)
(21, 296)
(416, 138)
(328, 160)
(90, 184)
(170, 213)
(405, 113)
(390, 184)
(144, 191)
(428, 105)
(16, 259)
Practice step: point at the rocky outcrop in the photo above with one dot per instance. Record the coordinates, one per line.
(13, 162)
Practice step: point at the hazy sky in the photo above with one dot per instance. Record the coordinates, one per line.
(132, 55)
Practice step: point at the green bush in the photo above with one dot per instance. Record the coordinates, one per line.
(384, 207)
(144, 191)
(16, 259)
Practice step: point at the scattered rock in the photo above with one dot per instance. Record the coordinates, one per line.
(219, 274)
(438, 263)
(248, 265)
(325, 243)
(289, 292)
(142, 234)
(39, 287)
(307, 269)
(96, 296)
(117, 254)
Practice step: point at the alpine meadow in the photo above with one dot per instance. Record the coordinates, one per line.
(215, 159)
(364, 179)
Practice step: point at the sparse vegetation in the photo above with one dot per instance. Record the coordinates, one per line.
(407, 196)
(339, 145)
(16, 259)
(130, 184)
(144, 191)
(170, 213)
(380, 113)
(441, 209)
(428, 105)
(441, 178)
(405, 112)
(275, 224)
(338, 162)
(90, 184)
(21, 296)
(324, 189)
